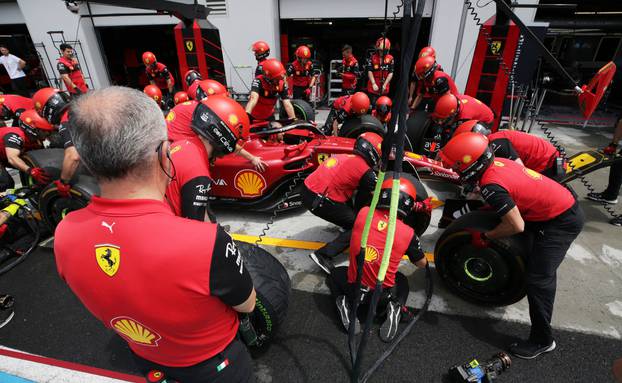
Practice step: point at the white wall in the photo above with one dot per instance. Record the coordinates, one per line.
(10, 14)
(445, 24)
(298, 9)
(54, 16)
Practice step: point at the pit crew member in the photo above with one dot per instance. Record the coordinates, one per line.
(382, 110)
(342, 280)
(69, 69)
(350, 71)
(194, 269)
(450, 111)
(187, 193)
(380, 68)
(11, 106)
(261, 49)
(302, 73)
(158, 74)
(433, 84)
(266, 90)
(180, 97)
(154, 93)
(344, 107)
(525, 200)
(329, 190)
(192, 79)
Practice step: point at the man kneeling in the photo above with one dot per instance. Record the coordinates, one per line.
(342, 281)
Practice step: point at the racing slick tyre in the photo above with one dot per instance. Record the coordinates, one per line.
(494, 276)
(416, 126)
(51, 160)
(302, 109)
(54, 207)
(355, 126)
(417, 220)
(273, 288)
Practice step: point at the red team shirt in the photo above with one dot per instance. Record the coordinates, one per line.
(381, 67)
(160, 75)
(301, 73)
(15, 138)
(406, 242)
(179, 121)
(339, 176)
(473, 109)
(72, 69)
(536, 153)
(165, 284)
(13, 103)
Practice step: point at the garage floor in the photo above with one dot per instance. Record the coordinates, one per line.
(588, 310)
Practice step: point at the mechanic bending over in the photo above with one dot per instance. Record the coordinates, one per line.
(192, 79)
(433, 83)
(158, 74)
(32, 130)
(610, 194)
(179, 120)
(266, 90)
(329, 190)
(194, 269)
(302, 72)
(414, 82)
(525, 200)
(342, 280)
(531, 151)
(343, 108)
(380, 66)
(187, 193)
(451, 110)
(53, 106)
(11, 106)
(155, 94)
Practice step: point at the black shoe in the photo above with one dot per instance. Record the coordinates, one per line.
(6, 309)
(617, 221)
(323, 261)
(389, 328)
(528, 350)
(601, 197)
(343, 307)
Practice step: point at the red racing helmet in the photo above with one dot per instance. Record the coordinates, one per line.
(222, 121)
(427, 51)
(273, 69)
(180, 97)
(368, 145)
(191, 76)
(50, 103)
(407, 196)
(149, 58)
(383, 44)
(303, 52)
(446, 109)
(261, 49)
(468, 154)
(154, 93)
(31, 122)
(209, 88)
(473, 126)
(383, 105)
(425, 67)
(359, 103)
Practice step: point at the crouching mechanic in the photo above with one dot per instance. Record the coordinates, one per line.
(267, 89)
(16, 141)
(11, 106)
(217, 133)
(345, 107)
(342, 281)
(531, 151)
(451, 110)
(329, 190)
(192, 268)
(525, 200)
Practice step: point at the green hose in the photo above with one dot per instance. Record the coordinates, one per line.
(386, 256)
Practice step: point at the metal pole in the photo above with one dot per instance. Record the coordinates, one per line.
(454, 64)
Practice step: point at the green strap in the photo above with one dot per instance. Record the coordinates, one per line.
(372, 209)
(388, 247)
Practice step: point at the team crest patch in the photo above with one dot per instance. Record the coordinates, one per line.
(499, 164)
(108, 258)
(532, 173)
(249, 183)
(321, 157)
(382, 225)
(170, 116)
(135, 332)
(371, 254)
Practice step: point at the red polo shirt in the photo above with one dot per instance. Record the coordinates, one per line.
(179, 121)
(164, 283)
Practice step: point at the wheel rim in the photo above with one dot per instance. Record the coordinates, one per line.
(299, 112)
(478, 269)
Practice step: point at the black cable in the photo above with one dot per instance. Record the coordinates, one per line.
(35, 228)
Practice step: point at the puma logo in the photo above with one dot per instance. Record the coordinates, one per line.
(109, 227)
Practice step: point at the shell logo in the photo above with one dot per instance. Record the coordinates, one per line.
(233, 119)
(28, 120)
(186, 103)
(371, 254)
(170, 116)
(135, 332)
(499, 164)
(175, 149)
(533, 174)
(1, 100)
(38, 105)
(330, 163)
(210, 91)
(466, 159)
(249, 183)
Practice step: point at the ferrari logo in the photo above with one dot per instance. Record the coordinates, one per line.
(249, 183)
(371, 254)
(108, 258)
(321, 157)
(495, 47)
(175, 149)
(382, 225)
(170, 116)
(189, 45)
(135, 332)
(533, 174)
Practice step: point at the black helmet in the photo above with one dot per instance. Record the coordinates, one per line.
(368, 146)
(192, 76)
(222, 121)
(441, 86)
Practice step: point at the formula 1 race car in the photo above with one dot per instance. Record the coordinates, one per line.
(291, 152)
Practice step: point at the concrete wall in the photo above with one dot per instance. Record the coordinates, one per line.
(55, 17)
(10, 14)
(445, 25)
